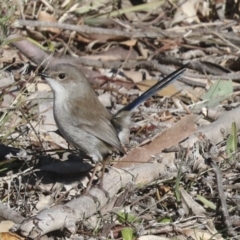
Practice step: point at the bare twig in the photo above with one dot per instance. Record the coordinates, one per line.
(222, 198)
(102, 31)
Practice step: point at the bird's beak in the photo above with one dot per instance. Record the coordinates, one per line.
(43, 74)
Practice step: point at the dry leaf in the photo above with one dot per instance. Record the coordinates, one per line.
(186, 12)
(10, 236)
(166, 92)
(43, 87)
(129, 43)
(105, 99)
(6, 225)
(135, 76)
(189, 203)
(115, 53)
(205, 10)
(197, 234)
(10, 55)
(83, 39)
(44, 16)
(10, 97)
(6, 79)
(145, 52)
(44, 202)
(58, 140)
(171, 137)
(152, 237)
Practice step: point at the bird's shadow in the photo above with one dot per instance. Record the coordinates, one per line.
(39, 169)
(74, 168)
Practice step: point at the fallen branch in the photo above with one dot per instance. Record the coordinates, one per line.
(218, 130)
(103, 31)
(66, 216)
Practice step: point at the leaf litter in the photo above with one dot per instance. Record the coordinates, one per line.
(123, 49)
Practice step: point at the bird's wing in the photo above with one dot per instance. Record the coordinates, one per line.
(107, 134)
(100, 126)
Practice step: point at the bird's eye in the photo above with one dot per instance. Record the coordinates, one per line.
(62, 75)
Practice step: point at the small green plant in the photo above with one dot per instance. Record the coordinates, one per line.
(127, 233)
(6, 16)
(231, 147)
(124, 217)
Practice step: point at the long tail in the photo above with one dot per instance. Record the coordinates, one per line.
(155, 88)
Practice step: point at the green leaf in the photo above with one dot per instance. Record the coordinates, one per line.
(165, 220)
(127, 233)
(206, 202)
(140, 7)
(232, 142)
(124, 217)
(218, 92)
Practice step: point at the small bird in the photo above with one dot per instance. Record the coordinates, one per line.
(82, 119)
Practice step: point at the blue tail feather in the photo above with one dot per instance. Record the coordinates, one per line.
(155, 88)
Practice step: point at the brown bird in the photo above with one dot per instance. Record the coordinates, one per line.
(82, 119)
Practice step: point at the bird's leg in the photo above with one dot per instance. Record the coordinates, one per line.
(100, 185)
(103, 171)
(91, 179)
